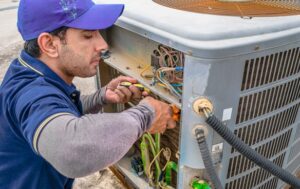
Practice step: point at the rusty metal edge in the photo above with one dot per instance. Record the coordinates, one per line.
(121, 177)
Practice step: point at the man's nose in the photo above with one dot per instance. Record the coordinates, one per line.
(101, 44)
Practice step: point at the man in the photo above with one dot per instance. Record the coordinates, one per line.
(48, 132)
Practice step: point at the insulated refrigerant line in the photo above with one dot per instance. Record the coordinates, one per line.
(248, 152)
(200, 136)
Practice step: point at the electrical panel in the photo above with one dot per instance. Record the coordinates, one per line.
(249, 68)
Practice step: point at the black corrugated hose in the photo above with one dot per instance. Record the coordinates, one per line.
(205, 153)
(251, 154)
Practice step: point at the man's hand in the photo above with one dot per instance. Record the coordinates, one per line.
(163, 116)
(120, 94)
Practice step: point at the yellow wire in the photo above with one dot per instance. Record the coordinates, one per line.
(155, 157)
(167, 156)
(162, 85)
(145, 69)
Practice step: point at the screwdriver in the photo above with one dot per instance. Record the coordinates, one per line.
(138, 85)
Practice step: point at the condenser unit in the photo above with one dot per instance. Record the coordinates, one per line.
(245, 62)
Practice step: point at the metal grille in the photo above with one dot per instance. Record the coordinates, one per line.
(295, 150)
(258, 72)
(244, 9)
(254, 178)
(261, 130)
(270, 184)
(240, 163)
(257, 104)
(264, 70)
(297, 135)
(294, 165)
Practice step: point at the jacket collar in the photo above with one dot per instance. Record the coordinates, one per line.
(43, 70)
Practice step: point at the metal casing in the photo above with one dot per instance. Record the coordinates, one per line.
(248, 68)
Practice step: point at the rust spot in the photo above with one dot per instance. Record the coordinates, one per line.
(241, 8)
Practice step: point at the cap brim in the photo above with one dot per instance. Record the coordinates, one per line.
(98, 17)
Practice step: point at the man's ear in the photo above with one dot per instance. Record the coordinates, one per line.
(48, 44)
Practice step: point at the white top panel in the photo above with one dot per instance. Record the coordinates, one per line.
(197, 31)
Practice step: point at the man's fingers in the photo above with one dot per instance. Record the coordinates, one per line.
(171, 111)
(158, 129)
(115, 82)
(171, 124)
(136, 93)
(144, 93)
(127, 93)
(120, 94)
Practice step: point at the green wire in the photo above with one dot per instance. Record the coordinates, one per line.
(145, 154)
(171, 165)
(157, 142)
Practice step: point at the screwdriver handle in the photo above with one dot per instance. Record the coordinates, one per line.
(138, 85)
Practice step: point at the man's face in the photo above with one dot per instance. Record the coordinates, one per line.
(79, 53)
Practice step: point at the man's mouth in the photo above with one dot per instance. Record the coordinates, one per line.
(95, 60)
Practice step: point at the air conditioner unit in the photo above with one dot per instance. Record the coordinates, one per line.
(247, 66)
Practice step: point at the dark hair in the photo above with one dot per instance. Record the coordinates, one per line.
(32, 47)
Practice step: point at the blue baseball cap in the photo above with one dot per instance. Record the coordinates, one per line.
(38, 16)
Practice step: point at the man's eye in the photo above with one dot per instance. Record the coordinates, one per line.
(88, 36)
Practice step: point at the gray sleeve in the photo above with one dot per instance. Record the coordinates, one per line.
(77, 147)
(94, 102)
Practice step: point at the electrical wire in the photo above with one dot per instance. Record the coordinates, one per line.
(155, 146)
(160, 76)
(168, 70)
(153, 160)
(145, 156)
(144, 70)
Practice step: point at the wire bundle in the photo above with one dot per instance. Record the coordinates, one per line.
(168, 69)
(163, 177)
